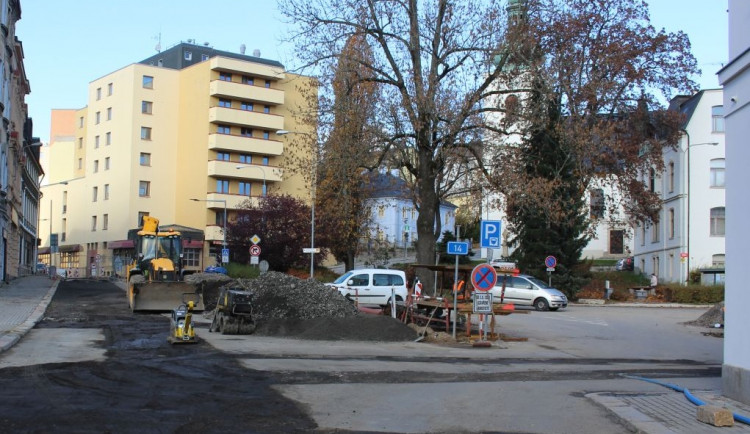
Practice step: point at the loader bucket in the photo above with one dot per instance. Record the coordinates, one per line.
(161, 296)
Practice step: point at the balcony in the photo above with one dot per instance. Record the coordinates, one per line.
(257, 120)
(232, 90)
(228, 169)
(249, 68)
(236, 143)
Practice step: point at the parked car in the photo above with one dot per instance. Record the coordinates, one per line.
(527, 290)
(372, 285)
(625, 264)
(503, 263)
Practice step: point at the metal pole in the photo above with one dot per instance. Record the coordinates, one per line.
(312, 228)
(224, 238)
(455, 288)
(51, 255)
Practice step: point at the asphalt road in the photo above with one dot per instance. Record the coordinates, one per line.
(92, 366)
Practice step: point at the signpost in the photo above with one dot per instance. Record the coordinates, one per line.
(255, 250)
(458, 248)
(224, 256)
(551, 262)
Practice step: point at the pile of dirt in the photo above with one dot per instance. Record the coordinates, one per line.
(287, 306)
(713, 316)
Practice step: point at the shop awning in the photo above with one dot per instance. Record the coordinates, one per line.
(121, 244)
(70, 248)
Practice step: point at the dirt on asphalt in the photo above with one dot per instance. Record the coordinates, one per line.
(145, 386)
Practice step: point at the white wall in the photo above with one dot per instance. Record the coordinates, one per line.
(735, 78)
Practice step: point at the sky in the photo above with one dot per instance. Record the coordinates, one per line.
(69, 44)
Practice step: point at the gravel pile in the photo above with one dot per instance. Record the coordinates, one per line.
(286, 306)
(713, 316)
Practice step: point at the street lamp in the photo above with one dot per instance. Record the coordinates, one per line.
(312, 205)
(261, 169)
(224, 234)
(687, 238)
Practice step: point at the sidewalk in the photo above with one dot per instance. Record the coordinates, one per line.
(23, 302)
(22, 305)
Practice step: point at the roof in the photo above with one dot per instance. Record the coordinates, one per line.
(173, 57)
(386, 186)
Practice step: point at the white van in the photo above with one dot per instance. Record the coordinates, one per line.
(528, 291)
(372, 285)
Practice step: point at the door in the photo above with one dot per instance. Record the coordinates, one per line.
(383, 286)
(358, 287)
(522, 291)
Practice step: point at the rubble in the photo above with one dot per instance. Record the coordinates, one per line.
(287, 306)
(713, 316)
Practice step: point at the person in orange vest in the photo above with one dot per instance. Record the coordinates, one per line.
(417, 288)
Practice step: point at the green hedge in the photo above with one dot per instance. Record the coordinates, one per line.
(694, 294)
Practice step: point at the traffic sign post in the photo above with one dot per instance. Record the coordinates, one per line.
(551, 262)
(483, 277)
(255, 250)
(224, 256)
(458, 248)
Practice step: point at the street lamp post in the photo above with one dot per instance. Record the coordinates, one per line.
(224, 233)
(687, 238)
(312, 204)
(261, 169)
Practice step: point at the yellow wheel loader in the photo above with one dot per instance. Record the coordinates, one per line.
(155, 275)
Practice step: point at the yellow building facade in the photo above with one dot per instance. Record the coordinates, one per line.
(183, 136)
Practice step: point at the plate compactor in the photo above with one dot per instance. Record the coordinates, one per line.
(234, 313)
(181, 331)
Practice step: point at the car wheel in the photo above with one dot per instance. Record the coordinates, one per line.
(541, 304)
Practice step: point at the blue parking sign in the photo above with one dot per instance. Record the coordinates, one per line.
(490, 234)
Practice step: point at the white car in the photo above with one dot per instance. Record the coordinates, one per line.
(373, 286)
(528, 291)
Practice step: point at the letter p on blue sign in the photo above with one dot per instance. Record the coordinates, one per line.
(490, 234)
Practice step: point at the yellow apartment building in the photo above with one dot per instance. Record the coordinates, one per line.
(186, 136)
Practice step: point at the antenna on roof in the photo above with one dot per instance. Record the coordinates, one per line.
(158, 43)
(256, 52)
(242, 49)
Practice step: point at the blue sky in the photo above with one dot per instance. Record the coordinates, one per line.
(68, 44)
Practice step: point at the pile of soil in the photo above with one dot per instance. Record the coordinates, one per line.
(713, 316)
(287, 306)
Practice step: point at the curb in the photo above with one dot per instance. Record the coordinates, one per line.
(14, 335)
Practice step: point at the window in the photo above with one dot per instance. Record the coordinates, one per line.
(97, 117)
(718, 260)
(108, 139)
(717, 119)
(381, 211)
(246, 158)
(263, 188)
(268, 83)
(110, 88)
(141, 214)
(106, 191)
(717, 221)
(191, 257)
(204, 57)
(145, 133)
(94, 193)
(109, 113)
(643, 235)
(225, 76)
(655, 232)
(265, 161)
(247, 106)
(225, 103)
(80, 163)
(266, 109)
(616, 242)
(96, 166)
(224, 129)
(147, 107)
(223, 156)
(246, 132)
(98, 93)
(145, 159)
(148, 82)
(96, 141)
(671, 176)
(219, 218)
(222, 186)
(105, 222)
(670, 229)
(652, 180)
(93, 223)
(597, 203)
(266, 135)
(248, 80)
(717, 172)
(80, 122)
(106, 163)
(144, 189)
(188, 55)
(80, 142)
(245, 188)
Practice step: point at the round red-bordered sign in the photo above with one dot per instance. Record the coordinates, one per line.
(483, 277)
(255, 250)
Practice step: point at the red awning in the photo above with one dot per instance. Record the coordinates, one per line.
(43, 251)
(121, 244)
(192, 244)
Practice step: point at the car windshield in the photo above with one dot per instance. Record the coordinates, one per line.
(343, 278)
(538, 282)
